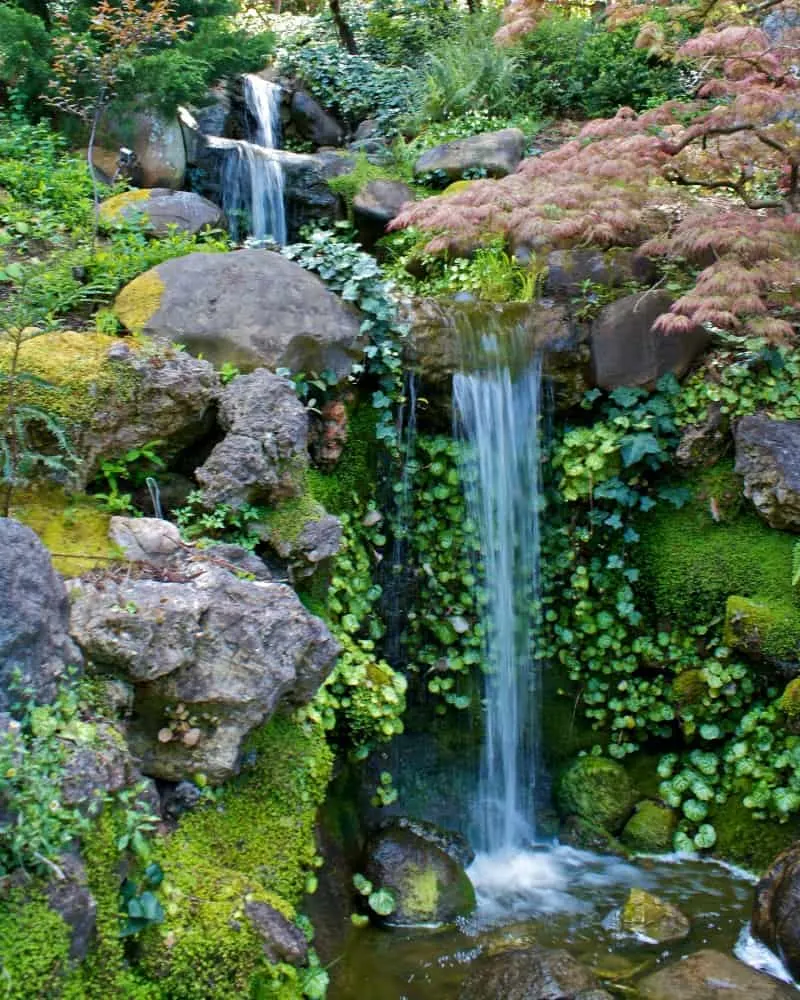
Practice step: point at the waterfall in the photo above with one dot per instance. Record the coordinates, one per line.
(497, 407)
(252, 177)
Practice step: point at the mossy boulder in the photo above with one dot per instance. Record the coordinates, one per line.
(161, 210)
(428, 884)
(768, 457)
(747, 841)
(655, 919)
(651, 828)
(767, 630)
(598, 790)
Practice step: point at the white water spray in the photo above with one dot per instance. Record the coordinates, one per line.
(497, 408)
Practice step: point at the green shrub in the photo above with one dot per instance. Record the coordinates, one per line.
(24, 51)
(399, 32)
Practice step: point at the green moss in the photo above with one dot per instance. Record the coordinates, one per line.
(691, 560)
(139, 301)
(71, 526)
(689, 688)
(285, 522)
(650, 829)
(348, 185)
(747, 841)
(257, 843)
(112, 209)
(420, 893)
(789, 702)
(356, 471)
(598, 790)
(34, 947)
(769, 629)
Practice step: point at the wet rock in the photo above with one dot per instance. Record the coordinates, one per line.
(768, 631)
(210, 656)
(568, 271)
(768, 457)
(627, 351)
(282, 941)
(598, 790)
(655, 919)
(704, 444)
(710, 975)
(249, 307)
(776, 910)
(313, 122)
(428, 884)
(650, 829)
(161, 209)
(530, 974)
(263, 455)
(588, 836)
(496, 153)
(450, 841)
(155, 139)
(34, 617)
(374, 207)
(68, 894)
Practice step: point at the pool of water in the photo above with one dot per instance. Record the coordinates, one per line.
(555, 897)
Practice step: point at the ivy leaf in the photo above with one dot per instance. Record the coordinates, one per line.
(627, 396)
(634, 447)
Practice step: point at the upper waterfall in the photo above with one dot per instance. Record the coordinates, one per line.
(497, 413)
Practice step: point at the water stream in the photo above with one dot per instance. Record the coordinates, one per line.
(252, 176)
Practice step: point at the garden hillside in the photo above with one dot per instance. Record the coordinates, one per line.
(399, 499)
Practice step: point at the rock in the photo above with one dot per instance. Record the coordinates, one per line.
(768, 457)
(34, 617)
(90, 772)
(598, 790)
(179, 799)
(655, 919)
(627, 351)
(250, 308)
(157, 142)
(328, 435)
(282, 941)
(163, 209)
(530, 974)
(313, 122)
(568, 271)
(309, 199)
(704, 444)
(303, 534)
(210, 656)
(588, 836)
(651, 828)
(710, 975)
(776, 909)
(767, 630)
(374, 207)
(146, 539)
(496, 153)
(452, 842)
(263, 455)
(430, 887)
(73, 902)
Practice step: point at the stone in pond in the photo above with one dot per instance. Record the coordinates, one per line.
(776, 911)
(650, 829)
(655, 919)
(711, 975)
(531, 974)
(429, 886)
(596, 789)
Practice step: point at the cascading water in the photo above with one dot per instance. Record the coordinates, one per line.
(252, 177)
(497, 413)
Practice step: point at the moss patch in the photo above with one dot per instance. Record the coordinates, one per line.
(71, 526)
(139, 301)
(763, 628)
(34, 947)
(749, 842)
(356, 471)
(650, 829)
(285, 522)
(112, 209)
(257, 842)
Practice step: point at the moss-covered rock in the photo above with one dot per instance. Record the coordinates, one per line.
(255, 845)
(746, 841)
(596, 789)
(650, 829)
(655, 919)
(34, 946)
(765, 629)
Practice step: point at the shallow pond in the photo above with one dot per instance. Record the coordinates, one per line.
(556, 897)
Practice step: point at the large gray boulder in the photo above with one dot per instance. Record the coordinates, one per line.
(768, 457)
(627, 351)
(494, 153)
(210, 656)
(34, 617)
(263, 456)
(531, 974)
(376, 205)
(163, 209)
(711, 975)
(155, 139)
(313, 122)
(250, 307)
(776, 909)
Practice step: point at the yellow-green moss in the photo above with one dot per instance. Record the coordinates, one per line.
(258, 842)
(747, 841)
(348, 185)
(286, 521)
(689, 688)
(112, 209)
(420, 893)
(139, 301)
(789, 703)
(769, 628)
(457, 187)
(71, 526)
(34, 947)
(77, 370)
(356, 471)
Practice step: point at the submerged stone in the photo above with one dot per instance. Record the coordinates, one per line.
(776, 910)
(710, 975)
(531, 974)
(655, 919)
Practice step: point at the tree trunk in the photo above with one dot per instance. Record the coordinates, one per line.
(343, 28)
